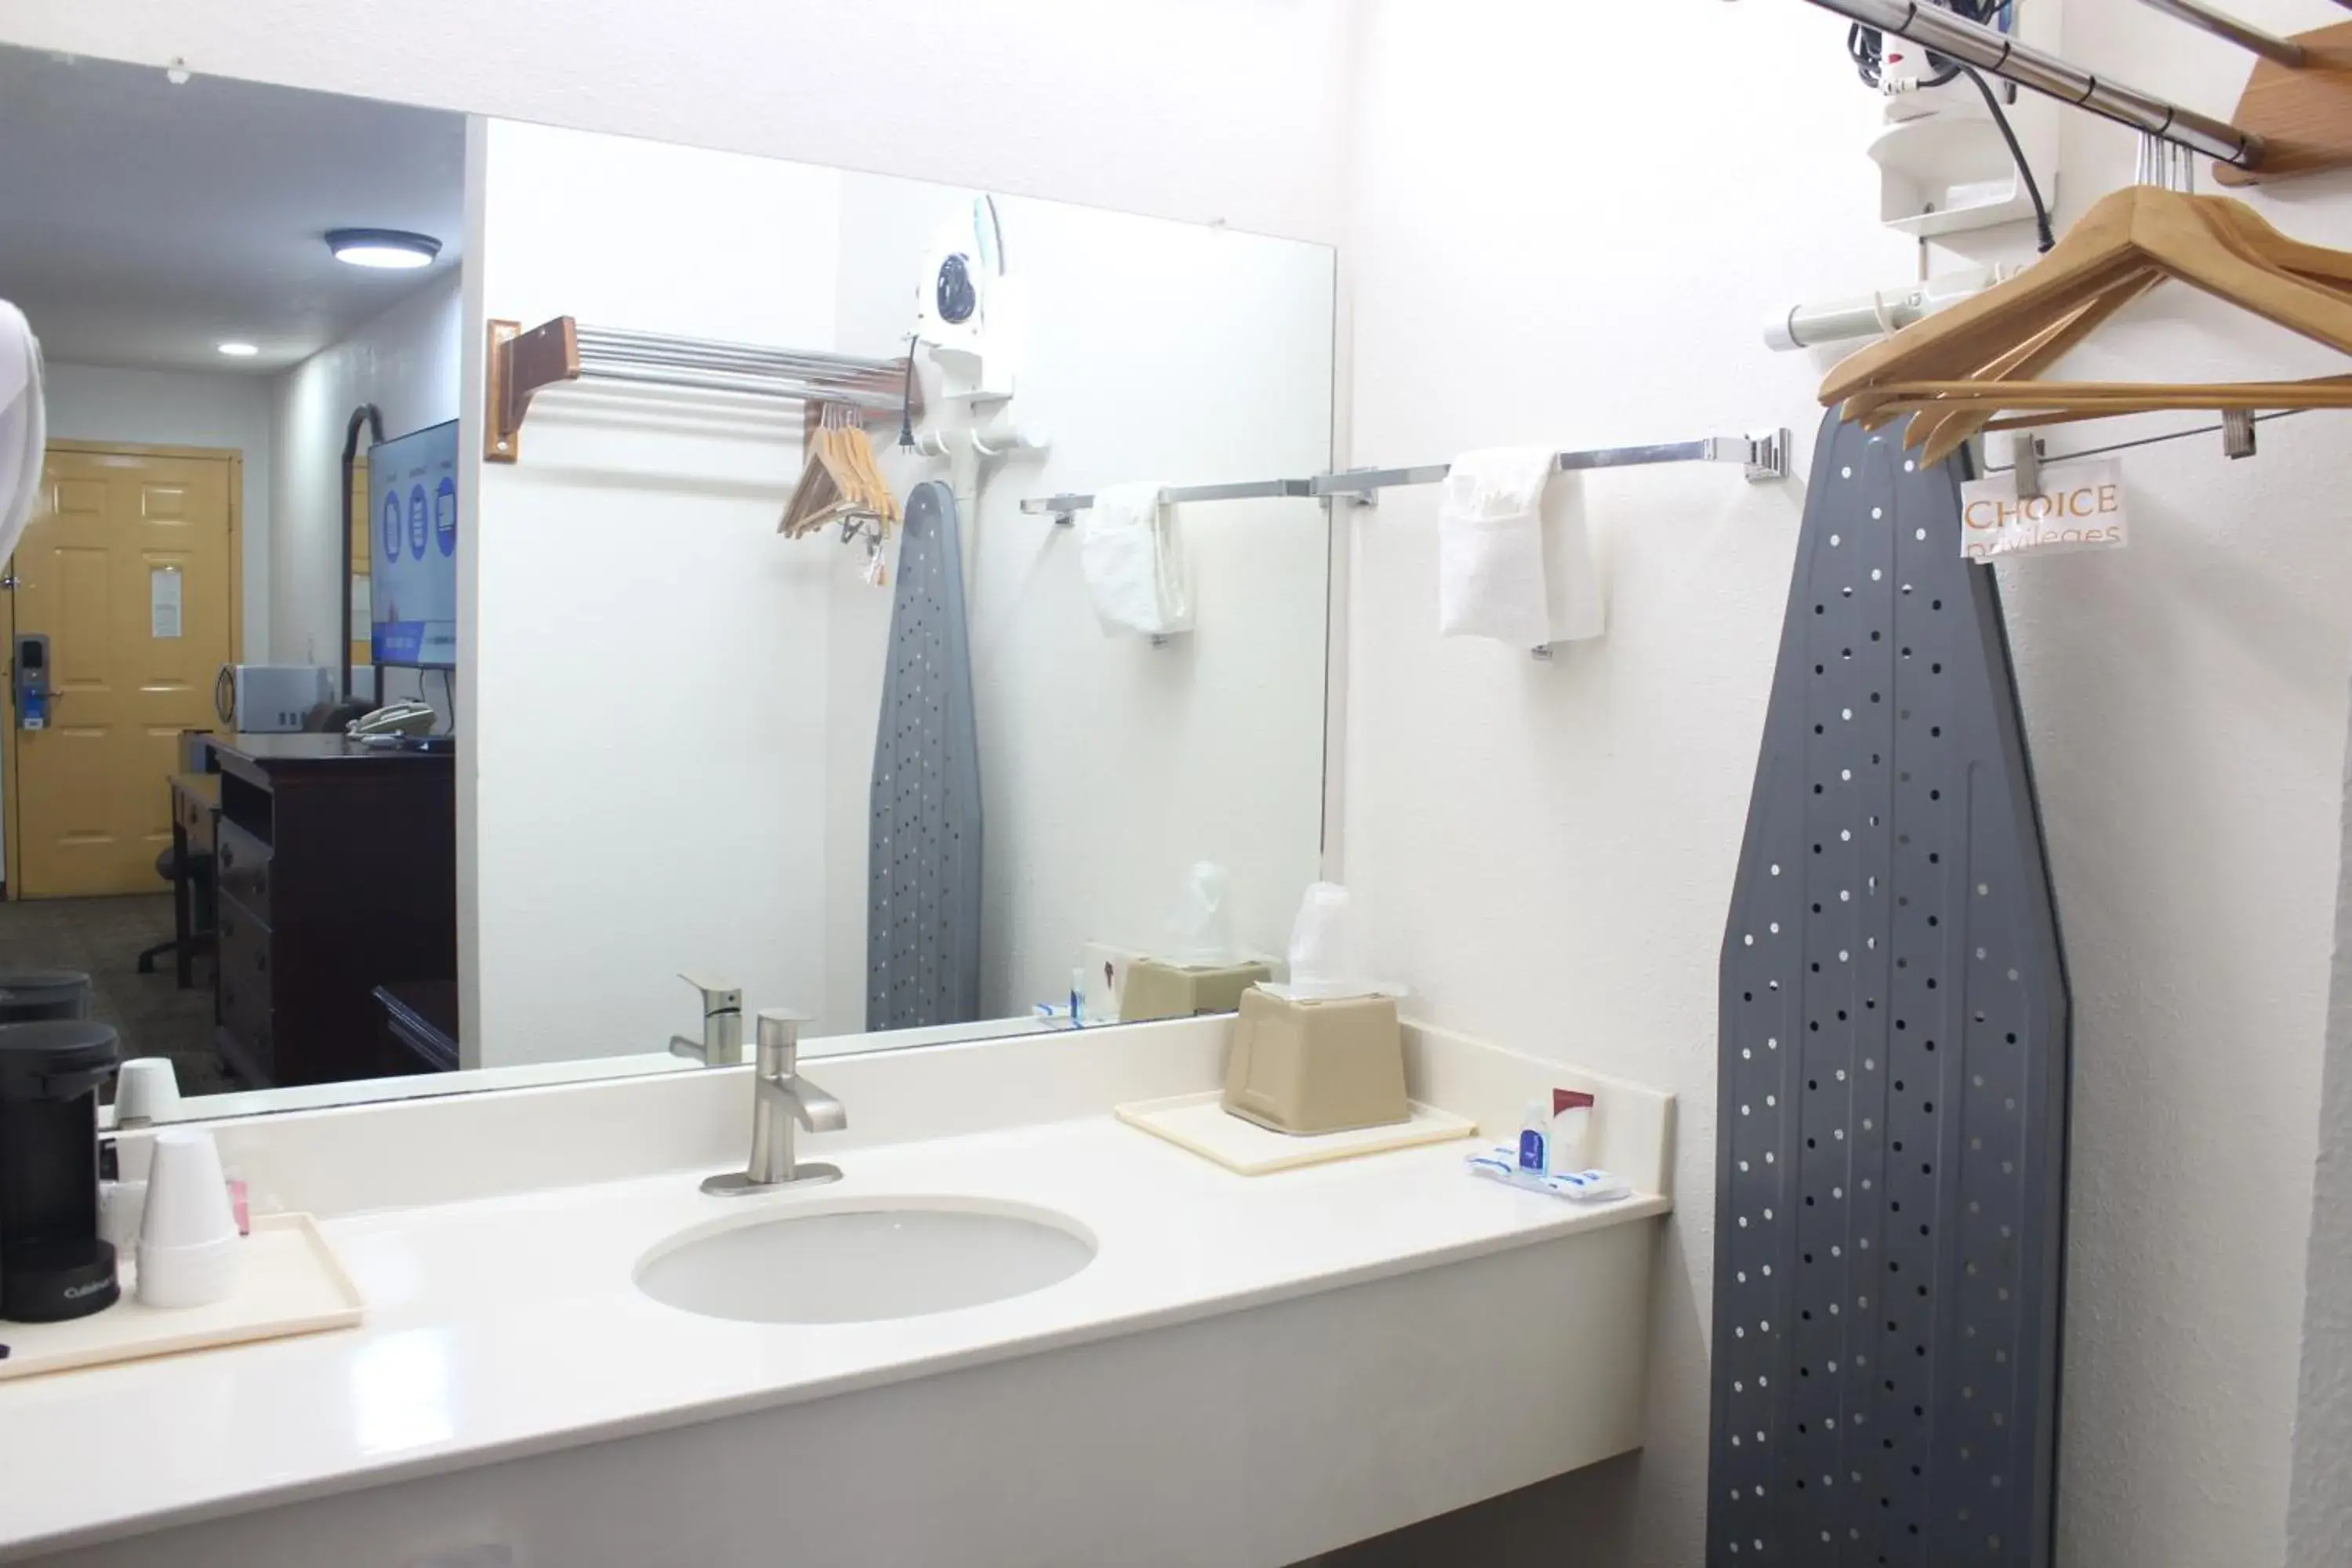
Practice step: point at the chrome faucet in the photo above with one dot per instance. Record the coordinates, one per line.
(721, 1045)
(780, 1098)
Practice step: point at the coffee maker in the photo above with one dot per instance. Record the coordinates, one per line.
(53, 1264)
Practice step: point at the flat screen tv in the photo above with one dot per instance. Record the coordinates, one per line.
(412, 481)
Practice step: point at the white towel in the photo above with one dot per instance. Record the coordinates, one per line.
(24, 434)
(1490, 554)
(1132, 554)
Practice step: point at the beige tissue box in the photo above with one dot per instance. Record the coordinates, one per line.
(1316, 1066)
(1158, 990)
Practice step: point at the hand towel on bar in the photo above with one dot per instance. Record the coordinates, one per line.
(24, 438)
(1490, 546)
(1498, 575)
(1132, 554)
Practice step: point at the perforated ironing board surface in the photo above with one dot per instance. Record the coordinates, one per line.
(922, 932)
(1891, 1113)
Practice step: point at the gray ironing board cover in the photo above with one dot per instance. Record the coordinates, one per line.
(1891, 1144)
(922, 927)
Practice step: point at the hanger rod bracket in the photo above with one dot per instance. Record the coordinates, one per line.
(1990, 49)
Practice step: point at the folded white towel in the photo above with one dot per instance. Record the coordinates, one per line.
(1132, 554)
(1490, 546)
(24, 436)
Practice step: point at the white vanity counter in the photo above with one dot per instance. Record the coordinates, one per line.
(509, 1324)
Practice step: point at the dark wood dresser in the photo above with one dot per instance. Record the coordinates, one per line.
(337, 872)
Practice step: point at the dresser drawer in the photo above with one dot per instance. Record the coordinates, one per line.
(246, 1016)
(241, 865)
(244, 942)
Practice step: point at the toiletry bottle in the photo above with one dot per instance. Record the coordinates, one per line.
(1571, 1132)
(1534, 1139)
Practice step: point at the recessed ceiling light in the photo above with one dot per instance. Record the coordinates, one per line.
(390, 248)
(239, 350)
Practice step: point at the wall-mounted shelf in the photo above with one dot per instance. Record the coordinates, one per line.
(522, 364)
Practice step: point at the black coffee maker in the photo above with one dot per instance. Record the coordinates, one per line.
(53, 1265)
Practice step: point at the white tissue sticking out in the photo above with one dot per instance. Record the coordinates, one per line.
(1199, 926)
(1323, 963)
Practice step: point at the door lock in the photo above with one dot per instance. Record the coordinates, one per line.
(29, 672)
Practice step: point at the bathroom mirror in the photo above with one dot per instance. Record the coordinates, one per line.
(719, 566)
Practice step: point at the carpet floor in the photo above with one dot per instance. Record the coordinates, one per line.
(103, 938)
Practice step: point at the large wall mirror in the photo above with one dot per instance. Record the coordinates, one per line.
(509, 603)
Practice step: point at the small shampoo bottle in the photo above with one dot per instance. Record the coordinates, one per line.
(1534, 1139)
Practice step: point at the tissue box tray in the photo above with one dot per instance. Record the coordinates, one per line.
(292, 1284)
(1201, 1122)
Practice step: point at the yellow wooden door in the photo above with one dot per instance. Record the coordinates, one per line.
(130, 575)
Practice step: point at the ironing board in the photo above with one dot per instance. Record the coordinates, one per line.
(922, 930)
(1890, 1178)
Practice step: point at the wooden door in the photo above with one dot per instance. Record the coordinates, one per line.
(131, 574)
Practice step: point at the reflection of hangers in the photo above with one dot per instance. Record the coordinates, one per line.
(1956, 371)
(839, 478)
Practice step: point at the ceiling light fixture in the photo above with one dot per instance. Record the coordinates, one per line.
(385, 248)
(235, 350)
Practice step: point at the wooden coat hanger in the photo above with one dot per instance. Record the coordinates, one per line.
(828, 486)
(1955, 370)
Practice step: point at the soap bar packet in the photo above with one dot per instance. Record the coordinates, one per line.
(2083, 507)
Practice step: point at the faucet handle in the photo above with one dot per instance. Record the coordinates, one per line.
(718, 997)
(780, 1037)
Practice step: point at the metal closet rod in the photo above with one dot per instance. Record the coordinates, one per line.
(1764, 457)
(1990, 49)
(2270, 46)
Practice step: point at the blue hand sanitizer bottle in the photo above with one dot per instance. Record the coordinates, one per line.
(1535, 1136)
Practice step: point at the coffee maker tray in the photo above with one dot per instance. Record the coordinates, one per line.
(292, 1283)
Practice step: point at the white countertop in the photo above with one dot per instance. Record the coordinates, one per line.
(510, 1325)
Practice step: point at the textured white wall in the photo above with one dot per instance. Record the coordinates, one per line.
(1190, 109)
(405, 361)
(183, 408)
(1545, 853)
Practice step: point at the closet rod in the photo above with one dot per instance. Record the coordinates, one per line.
(2270, 46)
(1988, 48)
(520, 363)
(1764, 457)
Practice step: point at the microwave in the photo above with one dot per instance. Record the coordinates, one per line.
(271, 698)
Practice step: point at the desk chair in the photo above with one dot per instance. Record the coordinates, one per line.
(195, 935)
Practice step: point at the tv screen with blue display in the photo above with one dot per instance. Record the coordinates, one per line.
(414, 556)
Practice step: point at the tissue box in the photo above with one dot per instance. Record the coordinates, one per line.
(1316, 1066)
(1158, 990)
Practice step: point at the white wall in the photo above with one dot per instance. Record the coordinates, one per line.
(183, 408)
(406, 363)
(1546, 853)
(1108, 766)
(646, 693)
(1190, 109)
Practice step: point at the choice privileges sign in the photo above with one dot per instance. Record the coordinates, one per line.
(2084, 509)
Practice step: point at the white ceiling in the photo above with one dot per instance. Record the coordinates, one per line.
(142, 223)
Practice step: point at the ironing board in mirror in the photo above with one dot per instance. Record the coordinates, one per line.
(923, 861)
(1890, 1184)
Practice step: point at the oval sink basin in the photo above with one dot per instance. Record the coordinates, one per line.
(863, 1266)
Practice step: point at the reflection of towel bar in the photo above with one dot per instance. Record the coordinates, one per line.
(1765, 456)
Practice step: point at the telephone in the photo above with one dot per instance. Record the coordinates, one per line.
(404, 716)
